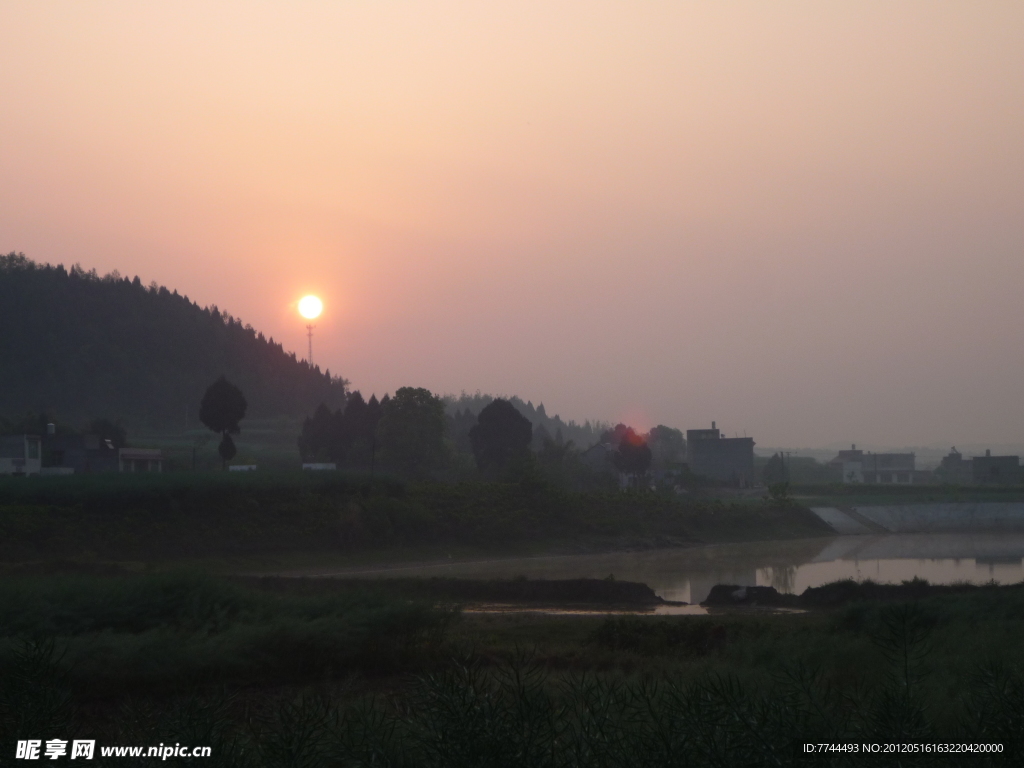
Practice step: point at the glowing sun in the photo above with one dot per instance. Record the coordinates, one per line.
(310, 307)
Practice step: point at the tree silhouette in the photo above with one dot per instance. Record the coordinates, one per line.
(411, 432)
(222, 408)
(346, 436)
(774, 470)
(226, 449)
(668, 446)
(584, 435)
(501, 434)
(633, 456)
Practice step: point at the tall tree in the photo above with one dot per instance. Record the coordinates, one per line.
(501, 434)
(668, 446)
(583, 435)
(317, 436)
(774, 470)
(633, 456)
(346, 436)
(221, 410)
(615, 435)
(411, 432)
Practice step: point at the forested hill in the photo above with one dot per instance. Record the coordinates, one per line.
(79, 346)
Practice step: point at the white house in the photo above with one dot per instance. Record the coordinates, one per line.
(876, 468)
(20, 454)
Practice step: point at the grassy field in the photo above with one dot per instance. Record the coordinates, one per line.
(104, 636)
(347, 674)
(189, 516)
(271, 444)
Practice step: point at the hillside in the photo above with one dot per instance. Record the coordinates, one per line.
(78, 346)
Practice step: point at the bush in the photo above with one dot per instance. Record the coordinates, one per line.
(180, 629)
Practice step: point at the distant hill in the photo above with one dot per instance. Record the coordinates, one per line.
(79, 346)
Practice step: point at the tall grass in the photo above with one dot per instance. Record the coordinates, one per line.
(272, 678)
(520, 715)
(173, 630)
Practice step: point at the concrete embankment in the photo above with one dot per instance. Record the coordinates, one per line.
(952, 517)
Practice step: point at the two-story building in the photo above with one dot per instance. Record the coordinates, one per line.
(723, 459)
(979, 470)
(995, 470)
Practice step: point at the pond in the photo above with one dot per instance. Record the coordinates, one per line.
(687, 574)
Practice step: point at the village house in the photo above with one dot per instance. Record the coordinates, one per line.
(979, 470)
(54, 454)
(723, 459)
(995, 470)
(955, 469)
(20, 454)
(878, 468)
(78, 454)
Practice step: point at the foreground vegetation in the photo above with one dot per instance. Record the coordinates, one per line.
(348, 675)
(119, 517)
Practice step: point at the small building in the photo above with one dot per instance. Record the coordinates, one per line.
(20, 454)
(995, 470)
(955, 469)
(724, 459)
(140, 460)
(877, 468)
(78, 454)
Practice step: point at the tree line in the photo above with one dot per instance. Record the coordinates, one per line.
(467, 407)
(416, 433)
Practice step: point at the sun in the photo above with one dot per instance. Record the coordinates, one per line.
(310, 307)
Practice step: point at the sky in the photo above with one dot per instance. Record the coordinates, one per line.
(802, 220)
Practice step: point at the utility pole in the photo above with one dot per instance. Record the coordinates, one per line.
(309, 333)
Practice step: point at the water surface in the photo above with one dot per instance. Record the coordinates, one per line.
(687, 574)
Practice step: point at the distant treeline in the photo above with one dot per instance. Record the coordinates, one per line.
(544, 426)
(79, 346)
(347, 436)
(419, 434)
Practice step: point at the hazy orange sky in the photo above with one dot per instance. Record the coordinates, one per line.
(802, 220)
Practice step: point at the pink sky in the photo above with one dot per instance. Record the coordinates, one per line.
(801, 220)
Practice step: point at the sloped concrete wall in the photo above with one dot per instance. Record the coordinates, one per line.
(953, 517)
